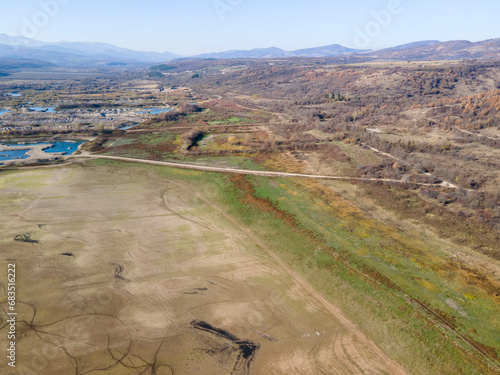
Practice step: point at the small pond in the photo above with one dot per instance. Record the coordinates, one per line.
(129, 127)
(65, 147)
(13, 155)
(155, 111)
(43, 109)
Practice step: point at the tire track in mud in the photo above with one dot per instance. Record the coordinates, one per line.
(172, 203)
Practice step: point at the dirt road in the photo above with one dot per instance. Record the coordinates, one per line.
(247, 171)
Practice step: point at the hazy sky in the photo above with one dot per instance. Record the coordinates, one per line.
(189, 27)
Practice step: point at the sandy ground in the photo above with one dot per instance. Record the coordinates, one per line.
(123, 272)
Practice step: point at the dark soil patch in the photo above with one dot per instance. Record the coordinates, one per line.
(26, 237)
(247, 349)
(118, 272)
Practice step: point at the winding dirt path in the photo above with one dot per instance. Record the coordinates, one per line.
(245, 171)
(445, 184)
(477, 134)
(254, 127)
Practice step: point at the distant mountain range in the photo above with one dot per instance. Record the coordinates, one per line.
(25, 51)
(435, 50)
(75, 53)
(273, 52)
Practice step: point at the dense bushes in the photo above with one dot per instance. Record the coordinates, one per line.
(191, 139)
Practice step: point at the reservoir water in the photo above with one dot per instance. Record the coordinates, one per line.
(43, 109)
(65, 147)
(155, 111)
(68, 148)
(128, 127)
(13, 155)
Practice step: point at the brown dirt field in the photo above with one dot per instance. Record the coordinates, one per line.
(136, 274)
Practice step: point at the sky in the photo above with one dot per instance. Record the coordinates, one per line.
(189, 27)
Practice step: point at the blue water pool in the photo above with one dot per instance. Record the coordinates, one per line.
(65, 147)
(155, 111)
(13, 155)
(129, 127)
(68, 148)
(3, 111)
(43, 109)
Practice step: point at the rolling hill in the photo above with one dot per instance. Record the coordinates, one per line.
(434, 50)
(12, 64)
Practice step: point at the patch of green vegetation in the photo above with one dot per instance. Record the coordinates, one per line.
(232, 121)
(22, 181)
(165, 67)
(156, 139)
(129, 153)
(155, 74)
(121, 142)
(243, 162)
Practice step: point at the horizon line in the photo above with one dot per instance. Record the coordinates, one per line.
(249, 49)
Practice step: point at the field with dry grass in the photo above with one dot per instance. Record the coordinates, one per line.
(137, 271)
